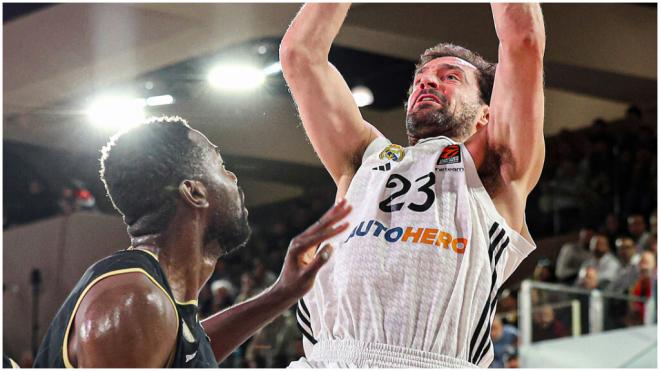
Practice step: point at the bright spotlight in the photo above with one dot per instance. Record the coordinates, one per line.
(160, 100)
(273, 68)
(362, 95)
(236, 77)
(117, 112)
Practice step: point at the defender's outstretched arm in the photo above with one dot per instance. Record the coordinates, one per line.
(233, 326)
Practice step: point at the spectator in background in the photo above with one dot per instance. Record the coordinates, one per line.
(508, 307)
(544, 272)
(83, 197)
(572, 255)
(222, 293)
(604, 261)
(75, 197)
(642, 287)
(612, 229)
(545, 326)
(511, 358)
(588, 278)
(247, 288)
(263, 277)
(637, 230)
(617, 310)
(66, 202)
(504, 337)
(628, 272)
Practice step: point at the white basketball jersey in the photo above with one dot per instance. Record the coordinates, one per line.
(414, 282)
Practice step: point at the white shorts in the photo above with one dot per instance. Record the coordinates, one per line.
(356, 354)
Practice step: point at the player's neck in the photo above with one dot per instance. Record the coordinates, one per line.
(412, 140)
(180, 254)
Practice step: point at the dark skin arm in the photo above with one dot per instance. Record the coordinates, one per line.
(230, 328)
(124, 320)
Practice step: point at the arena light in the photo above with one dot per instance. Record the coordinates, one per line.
(117, 113)
(273, 69)
(362, 96)
(236, 77)
(160, 100)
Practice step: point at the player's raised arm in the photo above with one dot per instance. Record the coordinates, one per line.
(329, 114)
(516, 109)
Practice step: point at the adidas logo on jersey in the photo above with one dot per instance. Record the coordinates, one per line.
(385, 167)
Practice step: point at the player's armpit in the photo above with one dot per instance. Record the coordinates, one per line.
(124, 320)
(517, 105)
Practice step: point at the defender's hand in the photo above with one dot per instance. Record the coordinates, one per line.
(302, 261)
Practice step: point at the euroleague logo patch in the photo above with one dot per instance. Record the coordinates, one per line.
(450, 155)
(393, 152)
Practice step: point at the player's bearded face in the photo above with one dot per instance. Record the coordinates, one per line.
(229, 225)
(455, 120)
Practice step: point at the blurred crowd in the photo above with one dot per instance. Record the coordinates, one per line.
(600, 182)
(618, 262)
(608, 167)
(36, 201)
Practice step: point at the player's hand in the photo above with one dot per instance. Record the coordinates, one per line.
(302, 260)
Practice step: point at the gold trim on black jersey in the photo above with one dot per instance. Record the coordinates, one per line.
(189, 302)
(143, 250)
(13, 363)
(65, 353)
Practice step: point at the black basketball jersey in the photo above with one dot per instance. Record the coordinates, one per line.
(193, 346)
(8, 362)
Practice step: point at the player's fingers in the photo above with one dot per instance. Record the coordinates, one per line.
(313, 240)
(306, 256)
(319, 260)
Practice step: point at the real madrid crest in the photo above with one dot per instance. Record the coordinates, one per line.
(393, 152)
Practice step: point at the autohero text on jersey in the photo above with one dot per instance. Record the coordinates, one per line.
(427, 236)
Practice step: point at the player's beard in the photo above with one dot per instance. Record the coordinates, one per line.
(430, 122)
(228, 231)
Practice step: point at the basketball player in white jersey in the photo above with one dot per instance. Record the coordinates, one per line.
(440, 224)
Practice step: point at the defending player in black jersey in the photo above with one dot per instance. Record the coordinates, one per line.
(183, 209)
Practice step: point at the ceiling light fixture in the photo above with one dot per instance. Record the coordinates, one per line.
(160, 100)
(273, 69)
(117, 113)
(236, 77)
(362, 95)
